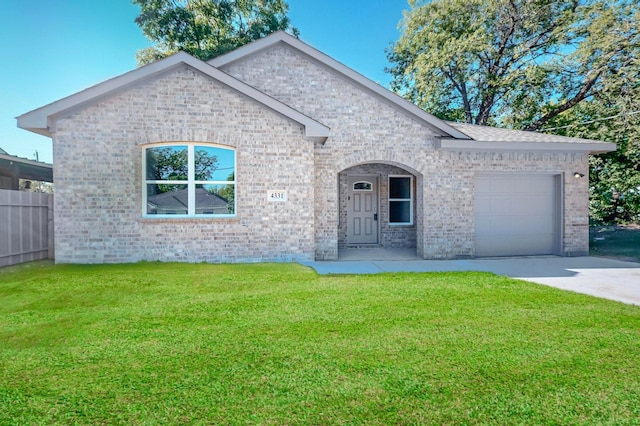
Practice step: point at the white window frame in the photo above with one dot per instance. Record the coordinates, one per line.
(410, 200)
(191, 182)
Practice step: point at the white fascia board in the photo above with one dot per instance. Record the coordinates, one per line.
(472, 145)
(434, 123)
(41, 120)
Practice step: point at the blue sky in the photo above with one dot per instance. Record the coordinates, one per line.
(52, 49)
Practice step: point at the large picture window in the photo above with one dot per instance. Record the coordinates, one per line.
(401, 200)
(189, 180)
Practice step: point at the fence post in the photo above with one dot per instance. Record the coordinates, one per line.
(50, 230)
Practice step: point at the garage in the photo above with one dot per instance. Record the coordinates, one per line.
(517, 214)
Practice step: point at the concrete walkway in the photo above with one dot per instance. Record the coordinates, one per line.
(596, 276)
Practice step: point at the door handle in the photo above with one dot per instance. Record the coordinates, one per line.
(375, 217)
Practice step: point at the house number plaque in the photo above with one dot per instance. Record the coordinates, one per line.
(277, 195)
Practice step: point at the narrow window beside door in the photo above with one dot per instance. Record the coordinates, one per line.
(400, 200)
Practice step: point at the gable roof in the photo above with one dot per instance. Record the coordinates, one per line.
(42, 120)
(439, 126)
(454, 136)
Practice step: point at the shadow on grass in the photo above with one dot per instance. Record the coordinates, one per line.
(618, 241)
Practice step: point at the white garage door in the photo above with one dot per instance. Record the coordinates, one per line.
(516, 215)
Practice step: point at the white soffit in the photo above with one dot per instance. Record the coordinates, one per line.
(41, 120)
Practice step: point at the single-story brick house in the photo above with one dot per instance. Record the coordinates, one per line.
(277, 152)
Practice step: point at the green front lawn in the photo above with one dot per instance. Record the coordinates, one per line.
(277, 344)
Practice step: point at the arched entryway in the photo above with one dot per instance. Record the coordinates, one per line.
(380, 211)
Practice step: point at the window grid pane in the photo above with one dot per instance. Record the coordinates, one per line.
(400, 211)
(215, 199)
(189, 180)
(401, 200)
(400, 187)
(167, 163)
(167, 199)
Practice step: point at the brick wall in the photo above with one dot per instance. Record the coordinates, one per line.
(98, 162)
(366, 130)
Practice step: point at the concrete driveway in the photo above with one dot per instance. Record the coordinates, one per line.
(596, 276)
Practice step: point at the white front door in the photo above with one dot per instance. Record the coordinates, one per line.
(362, 209)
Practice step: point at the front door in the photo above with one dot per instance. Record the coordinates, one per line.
(362, 210)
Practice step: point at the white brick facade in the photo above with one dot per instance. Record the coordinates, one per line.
(366, 130)
(98, 166)
(98, 156)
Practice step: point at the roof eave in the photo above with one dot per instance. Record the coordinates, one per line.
(40, 120)
(483, 146)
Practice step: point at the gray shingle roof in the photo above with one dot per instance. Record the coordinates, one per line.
(494, 134)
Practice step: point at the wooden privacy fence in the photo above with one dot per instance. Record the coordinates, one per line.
(26, 226)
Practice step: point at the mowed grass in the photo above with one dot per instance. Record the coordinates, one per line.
(276, 344)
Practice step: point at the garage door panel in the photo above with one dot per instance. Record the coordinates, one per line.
(535, 227)
(500, 186)
(515, 215)
(506, 227)
(498, 247)
(537, 186)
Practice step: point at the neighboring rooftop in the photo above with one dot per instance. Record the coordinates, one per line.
(13, 168)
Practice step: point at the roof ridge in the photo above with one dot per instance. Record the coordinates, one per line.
(391, 98)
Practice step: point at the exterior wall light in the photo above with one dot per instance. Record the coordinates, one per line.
(578, 175)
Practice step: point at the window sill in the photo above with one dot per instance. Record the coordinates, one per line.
(188, 219)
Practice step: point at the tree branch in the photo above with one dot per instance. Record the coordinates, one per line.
(584, 92)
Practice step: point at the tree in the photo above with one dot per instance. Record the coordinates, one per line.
(207, 28)
(614, 177)
(227, 192)
(571, 67)
(169, 163)
(517, 63)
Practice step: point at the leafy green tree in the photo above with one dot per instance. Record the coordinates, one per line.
(570, 67)
(518, 63)
(207, 28)
(168, 163)
(227, 192)
(614, 177)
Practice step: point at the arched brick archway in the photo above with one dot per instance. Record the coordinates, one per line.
(332, 204)
(378, 207)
